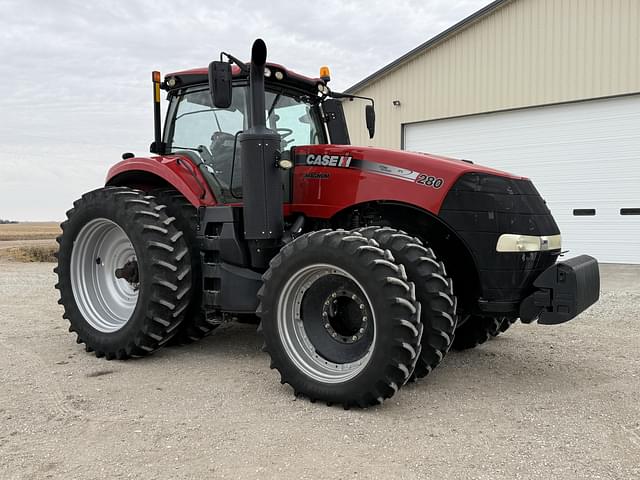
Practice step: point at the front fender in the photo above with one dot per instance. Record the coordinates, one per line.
(176, 171)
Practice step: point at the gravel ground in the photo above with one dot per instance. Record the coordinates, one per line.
(538, 402)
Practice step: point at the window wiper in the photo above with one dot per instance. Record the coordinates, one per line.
(215, 115)
(199, 150)
(196, 111)
(273, 105)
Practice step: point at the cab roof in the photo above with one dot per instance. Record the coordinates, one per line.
(197, 76)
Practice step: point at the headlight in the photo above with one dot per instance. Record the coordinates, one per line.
(285, 164)
(510, 242)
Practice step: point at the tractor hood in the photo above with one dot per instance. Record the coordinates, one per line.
(329, 178)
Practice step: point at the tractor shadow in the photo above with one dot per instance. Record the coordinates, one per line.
(509, 363)
(228, 342)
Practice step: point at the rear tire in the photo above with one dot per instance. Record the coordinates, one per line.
(124, 273)
(196, 324)
(433, 290)
(475, 331)
(311, 305)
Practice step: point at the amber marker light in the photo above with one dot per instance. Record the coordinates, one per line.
(325, 74)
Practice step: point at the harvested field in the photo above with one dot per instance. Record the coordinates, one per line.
(29, 231)
(29, 242)
(30, 253)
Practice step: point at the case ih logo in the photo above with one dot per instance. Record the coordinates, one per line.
(329, 160)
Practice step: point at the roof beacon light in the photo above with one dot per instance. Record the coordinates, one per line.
(155, 76)
(325, 74)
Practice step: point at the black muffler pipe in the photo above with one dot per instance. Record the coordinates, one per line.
(256, 84)
(261, 177)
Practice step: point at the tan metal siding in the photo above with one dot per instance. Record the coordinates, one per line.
(528, 52)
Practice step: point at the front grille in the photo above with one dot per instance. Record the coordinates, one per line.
(480, 208)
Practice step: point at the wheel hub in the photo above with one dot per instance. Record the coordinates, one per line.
(326, 323)
(129, 272)
(344, 315)
(105, 278)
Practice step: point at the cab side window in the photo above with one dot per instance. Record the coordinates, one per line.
(210, 132)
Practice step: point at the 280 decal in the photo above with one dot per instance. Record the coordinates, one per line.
(429, 180)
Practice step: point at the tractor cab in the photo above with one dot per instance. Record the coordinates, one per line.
(300, 109)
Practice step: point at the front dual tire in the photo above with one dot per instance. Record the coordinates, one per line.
(340, 319)
(434, 291)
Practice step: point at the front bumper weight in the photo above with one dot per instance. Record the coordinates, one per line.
(563, 291)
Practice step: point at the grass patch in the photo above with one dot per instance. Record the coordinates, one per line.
(36, 253)
(29, 231)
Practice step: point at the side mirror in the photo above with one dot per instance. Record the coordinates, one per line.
(220, 84)
(370, 117)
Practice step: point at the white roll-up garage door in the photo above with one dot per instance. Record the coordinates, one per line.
(583, 157)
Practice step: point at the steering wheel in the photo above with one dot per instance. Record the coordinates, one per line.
(218, 139)
(284, 133)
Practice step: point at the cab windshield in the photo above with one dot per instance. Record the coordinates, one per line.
(195, 125)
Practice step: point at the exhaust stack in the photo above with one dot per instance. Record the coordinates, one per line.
(261, 178)
(256, 84)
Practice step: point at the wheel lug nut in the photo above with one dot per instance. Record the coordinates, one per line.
(361, 330)
(326, 325)
(325, 314)
(364, 319)
(353, 297)
(362, 306)
(334, 334)
(334, 295)
(354, 337)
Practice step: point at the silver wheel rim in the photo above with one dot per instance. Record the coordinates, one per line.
(105, 301)
(294, 337)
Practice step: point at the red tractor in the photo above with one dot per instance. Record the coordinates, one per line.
(363, 266)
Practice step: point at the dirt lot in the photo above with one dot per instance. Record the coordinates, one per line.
(539, 402)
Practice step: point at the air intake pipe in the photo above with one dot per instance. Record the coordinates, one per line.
(261, 178)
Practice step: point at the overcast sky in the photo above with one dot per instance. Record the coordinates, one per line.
(75, 75)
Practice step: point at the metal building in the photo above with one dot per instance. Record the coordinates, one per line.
(548, 89)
